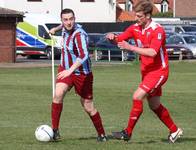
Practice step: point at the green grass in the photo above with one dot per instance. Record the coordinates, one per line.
(25, 99)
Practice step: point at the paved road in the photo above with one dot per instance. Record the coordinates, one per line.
(23, 62)
(43, 60)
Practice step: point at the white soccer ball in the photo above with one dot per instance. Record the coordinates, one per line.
(44, 133)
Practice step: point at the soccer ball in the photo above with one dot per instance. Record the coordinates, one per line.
(44, 133)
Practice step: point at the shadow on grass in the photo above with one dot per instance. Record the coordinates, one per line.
(182, 140)
(110, 137)
(87, 138)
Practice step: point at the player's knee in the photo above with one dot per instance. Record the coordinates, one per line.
(139, 94)
(58, 98)
(90, 109)
(153, 106)
(154, 103)
(136, 96)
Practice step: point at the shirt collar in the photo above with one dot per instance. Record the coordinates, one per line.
(76, 26)
(152, 25)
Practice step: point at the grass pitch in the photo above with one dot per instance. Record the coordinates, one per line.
(25, 99)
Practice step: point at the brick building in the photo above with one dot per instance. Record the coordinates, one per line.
(185, 9)
(181, 8)
(8, 20)
(128, 15)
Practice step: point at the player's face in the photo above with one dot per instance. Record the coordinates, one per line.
(68, 21)
(141, 18)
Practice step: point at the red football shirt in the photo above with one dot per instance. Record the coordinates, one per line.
(151, 37)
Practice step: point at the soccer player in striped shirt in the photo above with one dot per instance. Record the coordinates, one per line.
(74, 71)
(150, 45)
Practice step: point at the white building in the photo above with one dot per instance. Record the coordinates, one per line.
(85, 10)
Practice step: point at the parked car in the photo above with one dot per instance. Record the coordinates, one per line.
(178, 52)
(168, 34)
(93, 38)
(183, 41)
(105, 48)
(189, 29)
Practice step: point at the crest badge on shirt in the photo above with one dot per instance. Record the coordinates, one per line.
(159, 36)
(148, 34)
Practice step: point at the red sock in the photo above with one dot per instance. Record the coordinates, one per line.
(55, 114)
(96, 119)
(135, 113)
(164, 116)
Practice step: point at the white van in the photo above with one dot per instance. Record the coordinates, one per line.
(32, 38)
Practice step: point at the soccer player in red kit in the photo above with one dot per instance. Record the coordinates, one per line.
(150, 45)
(74, 70)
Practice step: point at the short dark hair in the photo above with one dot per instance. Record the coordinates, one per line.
(67, 11)
(144, 5)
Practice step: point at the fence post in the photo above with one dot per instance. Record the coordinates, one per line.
(180, 55)
(95, 54)
(122, 55)
(109, 57)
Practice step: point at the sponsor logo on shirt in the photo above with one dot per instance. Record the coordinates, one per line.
(159, 36)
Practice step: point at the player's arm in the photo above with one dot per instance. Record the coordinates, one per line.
(158, 37)
(142, 51)
(154, 47)
(127, 34)
(55, 29)
(66, 73)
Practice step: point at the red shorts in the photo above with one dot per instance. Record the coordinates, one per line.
(83, 84)
(152, 83)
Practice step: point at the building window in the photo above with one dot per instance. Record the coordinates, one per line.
(34, 0)
(130, 7)
(87, 0)
(164, 7)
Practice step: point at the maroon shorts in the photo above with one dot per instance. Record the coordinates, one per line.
(152, 83)
(83, 83)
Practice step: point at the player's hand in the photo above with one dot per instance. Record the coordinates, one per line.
(52, 31)
(124, 45)
(63, 74)
(110, 36)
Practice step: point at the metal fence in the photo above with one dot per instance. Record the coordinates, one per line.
(109, 54)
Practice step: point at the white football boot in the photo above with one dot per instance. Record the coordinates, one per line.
(175, 135)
